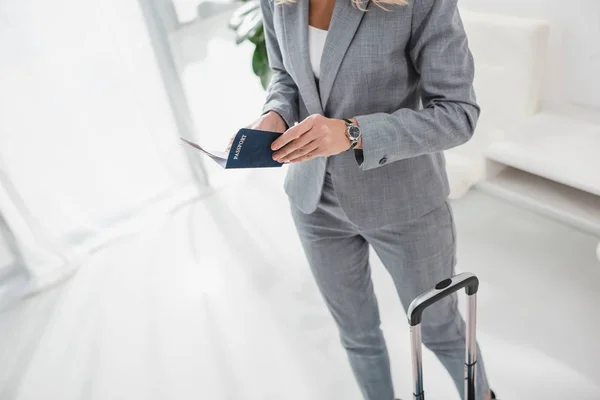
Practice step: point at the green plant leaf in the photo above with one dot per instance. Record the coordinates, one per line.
(265, 79)
(247, 22)
(259, 37)
(238, 15)
(259, 61)
(249, 27)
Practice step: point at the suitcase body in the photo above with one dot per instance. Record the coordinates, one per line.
(443, 289)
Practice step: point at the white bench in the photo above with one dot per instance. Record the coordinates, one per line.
(547, 161)
(551, 165)
(509, 57)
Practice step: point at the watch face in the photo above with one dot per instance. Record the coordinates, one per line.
(353, 131)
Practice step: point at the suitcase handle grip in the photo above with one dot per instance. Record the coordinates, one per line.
(442, 289)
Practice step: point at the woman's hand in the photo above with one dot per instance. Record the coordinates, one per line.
(270, 121)
(316, 136)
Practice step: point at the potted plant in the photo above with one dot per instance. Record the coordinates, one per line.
(246, 21)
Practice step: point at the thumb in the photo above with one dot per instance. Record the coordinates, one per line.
(229, 144)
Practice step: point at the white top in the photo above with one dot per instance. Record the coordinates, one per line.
(316, 42)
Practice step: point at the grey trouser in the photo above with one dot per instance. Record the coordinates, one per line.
(417, 254)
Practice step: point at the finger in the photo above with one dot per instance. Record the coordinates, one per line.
(293, 133)
(315, 153)
(295, 145)
(301, 152)
(229, 144)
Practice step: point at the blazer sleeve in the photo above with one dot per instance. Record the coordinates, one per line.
(282, 93)
(439, 52)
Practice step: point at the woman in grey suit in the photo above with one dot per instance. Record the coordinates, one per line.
(379, 90)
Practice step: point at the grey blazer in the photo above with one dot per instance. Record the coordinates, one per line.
(405, 74)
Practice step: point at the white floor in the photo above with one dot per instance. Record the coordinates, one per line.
(216, 302)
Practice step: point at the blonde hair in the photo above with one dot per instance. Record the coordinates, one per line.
(359, 3)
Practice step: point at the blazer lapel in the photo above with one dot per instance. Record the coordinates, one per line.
(344, 23)
(295, 22)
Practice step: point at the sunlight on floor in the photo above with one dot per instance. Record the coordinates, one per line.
(217, 302)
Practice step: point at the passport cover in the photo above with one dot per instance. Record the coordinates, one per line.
(251, 148)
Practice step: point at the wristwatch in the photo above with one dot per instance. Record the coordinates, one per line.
(352, 132)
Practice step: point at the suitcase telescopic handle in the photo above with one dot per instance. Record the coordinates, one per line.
(443, 289)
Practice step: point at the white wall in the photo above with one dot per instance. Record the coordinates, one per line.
(574, 49)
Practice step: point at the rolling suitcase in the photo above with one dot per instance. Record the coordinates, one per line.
(415, 313)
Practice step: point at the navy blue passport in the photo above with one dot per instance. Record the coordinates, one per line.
(251, 148)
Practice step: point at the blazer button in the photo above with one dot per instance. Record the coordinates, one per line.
(383, 161)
